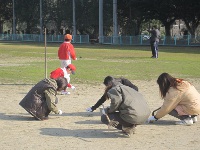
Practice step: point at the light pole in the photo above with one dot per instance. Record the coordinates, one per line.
(74, 21)
(115, 32)
(101, 21)
(14, 31)
(41, 31)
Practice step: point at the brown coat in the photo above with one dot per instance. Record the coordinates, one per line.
(187, 97)
(41, 99)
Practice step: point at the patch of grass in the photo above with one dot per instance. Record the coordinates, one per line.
(24, 62)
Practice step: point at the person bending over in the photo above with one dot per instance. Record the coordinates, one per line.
(41, 99)
(128, 106)
(123, 81)
(181, 100)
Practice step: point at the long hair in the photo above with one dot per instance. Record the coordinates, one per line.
(165, 81)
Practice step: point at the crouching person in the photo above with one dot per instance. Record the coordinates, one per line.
(128, 106)
(181, 100)
(41, 99)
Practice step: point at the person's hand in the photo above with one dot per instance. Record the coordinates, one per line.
(60, 112)
(152, 119)
(89, 109)
(76, 58)
(73, 87)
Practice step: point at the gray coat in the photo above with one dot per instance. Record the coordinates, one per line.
(131, 105)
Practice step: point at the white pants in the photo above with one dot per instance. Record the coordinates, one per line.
(65, 63)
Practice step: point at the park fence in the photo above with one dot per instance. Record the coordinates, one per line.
(186, 40)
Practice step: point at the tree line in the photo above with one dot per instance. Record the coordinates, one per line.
(133, 16)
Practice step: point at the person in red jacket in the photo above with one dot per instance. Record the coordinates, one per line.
(66, 52)
(64, 72)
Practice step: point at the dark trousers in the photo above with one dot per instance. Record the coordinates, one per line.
(174, 113)
(116, 117)
(154, 49)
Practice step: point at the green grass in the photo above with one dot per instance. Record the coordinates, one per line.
(23, 63)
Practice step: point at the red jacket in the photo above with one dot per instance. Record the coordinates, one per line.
(66, 51)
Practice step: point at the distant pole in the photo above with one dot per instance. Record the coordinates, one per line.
(74, 21)
(45, 52)
(101, 21)
(14, 31)
(41, 20)
(115, 32)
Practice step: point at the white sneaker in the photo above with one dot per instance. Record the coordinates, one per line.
(65, 93)
(194, 119)
(188, 121)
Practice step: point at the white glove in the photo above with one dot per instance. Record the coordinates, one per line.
(89, 109)
(103, 111)
(73, 87)
(152, 119)
(60, 112)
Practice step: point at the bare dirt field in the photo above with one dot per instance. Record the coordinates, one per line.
(77, 129)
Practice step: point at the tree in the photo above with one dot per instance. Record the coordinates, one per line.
(5, 12)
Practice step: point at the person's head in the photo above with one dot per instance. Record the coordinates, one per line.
(108, 81)
(165, 81)
(71, 69)
(68, 37)
(61, 83)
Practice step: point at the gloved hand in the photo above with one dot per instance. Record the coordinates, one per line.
(152, 119)
(60, 112)
(89, 109)
(73, 87)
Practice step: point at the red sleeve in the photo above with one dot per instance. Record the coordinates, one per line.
(57, 73)
(72, 52)
(69, 85)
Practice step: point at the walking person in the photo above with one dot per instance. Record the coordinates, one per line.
(103, 98)
(66, 51)
(41, 99)
(128, 106)
(154, 41)
(181, 100)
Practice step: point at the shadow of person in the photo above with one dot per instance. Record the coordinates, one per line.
(82, 114)
(83, 134)
(15, 117)
(162, 123)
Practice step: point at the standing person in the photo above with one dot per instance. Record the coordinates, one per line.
(66, 51)
(64, 72)
(128, 106)
(123, 81)
(181, 100)
(154, 41)
(41, 99)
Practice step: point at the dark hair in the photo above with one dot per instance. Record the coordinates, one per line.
(165, 81)
(62, 83)
(108, 80)
(67, 40)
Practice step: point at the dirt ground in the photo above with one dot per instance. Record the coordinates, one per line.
(77, 129)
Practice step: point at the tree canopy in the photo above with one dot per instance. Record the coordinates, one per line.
(133, 15)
